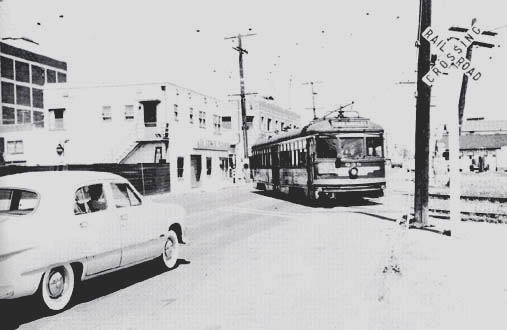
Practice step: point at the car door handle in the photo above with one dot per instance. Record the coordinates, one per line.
(124, 217)
(83, 224)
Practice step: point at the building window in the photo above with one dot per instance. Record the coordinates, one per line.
(7, 92)
(38, 119)
(208, 165)
(269, 124)
(202, 119)
(217, 124)
(15, 147)
(191, 115)
(176, 112)
(23, 95)
(22, 72)
(262, 123)
(180, 163)
(23, 116)
(106, 112)
(38, 98)
(8, 116)
(129, 111)
(281, 126)
(226, 122)
(38, 75)
(56, 119)
(51, 76)
(62, 77)
(7, 67)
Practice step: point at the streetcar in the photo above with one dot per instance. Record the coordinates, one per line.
(334, 156)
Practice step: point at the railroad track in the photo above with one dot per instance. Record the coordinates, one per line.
(478, 216)
(471, 198)
(471, 216)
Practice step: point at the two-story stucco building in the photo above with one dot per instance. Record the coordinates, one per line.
(265, 117)
(140, 123)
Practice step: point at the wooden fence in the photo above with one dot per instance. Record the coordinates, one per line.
(148, 178)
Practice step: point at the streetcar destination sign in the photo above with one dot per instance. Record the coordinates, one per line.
(452, 53)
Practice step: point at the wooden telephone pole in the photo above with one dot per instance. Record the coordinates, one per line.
(422, 121)
(455, 125)
(244, 125)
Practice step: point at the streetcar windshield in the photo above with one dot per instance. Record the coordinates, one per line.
(327, 147)
(374, 147)
(351, 147)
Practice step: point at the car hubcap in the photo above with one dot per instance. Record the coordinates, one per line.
(56, 284)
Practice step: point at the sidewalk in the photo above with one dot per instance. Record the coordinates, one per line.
(213, 188)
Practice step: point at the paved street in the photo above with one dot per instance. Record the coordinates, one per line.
(258, 261)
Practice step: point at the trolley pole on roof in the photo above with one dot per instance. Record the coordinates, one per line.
(422, 121)
(244, 125)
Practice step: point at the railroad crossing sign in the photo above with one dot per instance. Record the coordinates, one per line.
(453, 52)
(59, 149)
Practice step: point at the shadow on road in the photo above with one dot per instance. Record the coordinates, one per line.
(19, 311)
(344, 200)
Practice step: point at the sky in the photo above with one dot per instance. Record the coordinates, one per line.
(357, 51)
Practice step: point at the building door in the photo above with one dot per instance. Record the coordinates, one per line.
(195, 170)
(150, 112)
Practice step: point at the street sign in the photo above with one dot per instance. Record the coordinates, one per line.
(59, 149)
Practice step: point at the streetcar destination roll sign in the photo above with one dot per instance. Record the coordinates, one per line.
(451, 53)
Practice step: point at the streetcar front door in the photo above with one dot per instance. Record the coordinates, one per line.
(275, 167)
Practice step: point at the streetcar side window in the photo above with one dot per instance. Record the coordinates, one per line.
(374, 146)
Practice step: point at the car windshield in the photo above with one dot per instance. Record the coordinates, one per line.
(351, 147)
(17, 201)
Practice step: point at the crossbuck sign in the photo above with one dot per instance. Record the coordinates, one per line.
(452, 54)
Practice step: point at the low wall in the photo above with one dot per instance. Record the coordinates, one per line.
(147, 178)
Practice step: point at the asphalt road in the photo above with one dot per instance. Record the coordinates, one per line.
(255, 261)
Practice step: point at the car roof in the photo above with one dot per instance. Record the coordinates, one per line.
(44, 180)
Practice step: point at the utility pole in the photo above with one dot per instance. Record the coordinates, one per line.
(422, 121)
(313, 96)
(244, 126)
(455, 126)
(464, 82)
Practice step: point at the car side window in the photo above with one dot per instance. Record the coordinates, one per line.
(89, 199)
(124, 195)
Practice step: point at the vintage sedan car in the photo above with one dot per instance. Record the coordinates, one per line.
(59, 228)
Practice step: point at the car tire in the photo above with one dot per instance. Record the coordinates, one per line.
(170, 250)
(57, 287)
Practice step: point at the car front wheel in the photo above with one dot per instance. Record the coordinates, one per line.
(170, 250)
(57, 287)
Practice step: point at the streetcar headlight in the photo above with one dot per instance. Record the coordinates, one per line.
(353, 172)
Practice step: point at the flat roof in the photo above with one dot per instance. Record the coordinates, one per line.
(31, 56)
